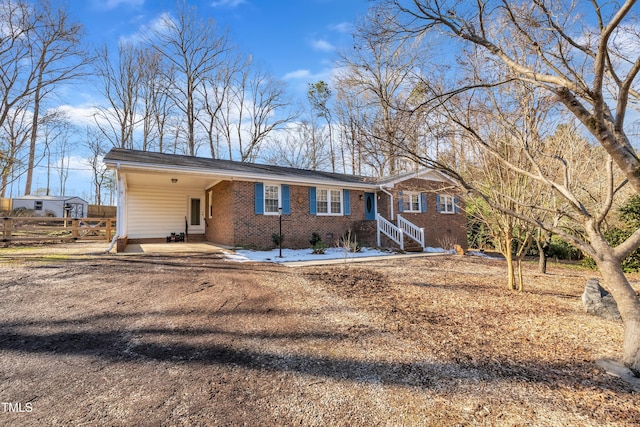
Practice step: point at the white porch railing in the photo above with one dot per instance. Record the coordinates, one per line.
(411, 230)
(389, 230)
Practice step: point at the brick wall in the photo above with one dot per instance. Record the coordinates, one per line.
(235, 222)
(219, 228)
(439, 227)
(256, 230)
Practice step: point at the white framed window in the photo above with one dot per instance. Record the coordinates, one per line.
(328, 202)
(447, 204)
(411, 202)
(271, 199)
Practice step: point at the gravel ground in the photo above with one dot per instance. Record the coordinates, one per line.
(195, 340)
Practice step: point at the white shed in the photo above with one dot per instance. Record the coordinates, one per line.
(58, 206)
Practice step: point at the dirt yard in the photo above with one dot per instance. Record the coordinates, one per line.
(196, 340)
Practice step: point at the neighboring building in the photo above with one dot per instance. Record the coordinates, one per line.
(237, 204)
(57, 206)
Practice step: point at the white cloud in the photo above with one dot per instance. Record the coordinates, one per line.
(322, 45)
(158, 25)
(82, 115)
(342, 27)
(113, 4)
(297, 74)
(227, 3)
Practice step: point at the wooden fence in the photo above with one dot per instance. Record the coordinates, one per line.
(101, 211)
(5, 204)
(39, 229)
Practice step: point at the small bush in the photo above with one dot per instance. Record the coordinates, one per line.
(318, 248)
(447, 242)
(614, 237)
(315, 239)
(22, 212)
(560, 249)
(277, 239)
(317, 245)
(630, 215)
(348, 242)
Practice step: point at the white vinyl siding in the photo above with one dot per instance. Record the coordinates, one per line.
(157, 212)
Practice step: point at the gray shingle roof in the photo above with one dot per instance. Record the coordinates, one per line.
(228, 167)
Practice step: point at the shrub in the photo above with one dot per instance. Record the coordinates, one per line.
(630, 215)
(315, 239)
(277, 239)
(22, 211)
(348, 242)
(614, 237)
(560, 249)
(317, 245)
(318, 248)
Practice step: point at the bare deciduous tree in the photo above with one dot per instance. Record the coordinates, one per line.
(194, 50)
(95, 144)
(319, 95)
(120, 78)
(14, 133)
(380, 71)
(56, 57)
(296, 147)
(545, 44)
(254, 108)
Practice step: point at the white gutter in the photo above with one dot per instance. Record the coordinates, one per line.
(235, 175)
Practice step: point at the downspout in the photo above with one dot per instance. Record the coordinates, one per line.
(113, 243)
(116, 234)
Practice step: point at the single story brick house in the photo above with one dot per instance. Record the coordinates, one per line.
(238, 204)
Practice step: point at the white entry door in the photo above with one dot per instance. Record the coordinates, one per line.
(196, 215)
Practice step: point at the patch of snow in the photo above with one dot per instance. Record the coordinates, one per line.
(439, 250)
(483, 255)
(290, 255)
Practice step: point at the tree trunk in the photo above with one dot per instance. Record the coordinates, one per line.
(511, 274)
(520, 277)
(34, 138)
(629, 307)
(543, 251)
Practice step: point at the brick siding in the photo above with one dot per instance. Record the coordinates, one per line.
(439, 227)
(235, 223)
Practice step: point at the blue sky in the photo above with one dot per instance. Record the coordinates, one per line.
(296, 40)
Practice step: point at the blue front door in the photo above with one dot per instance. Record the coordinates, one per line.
(369, 206)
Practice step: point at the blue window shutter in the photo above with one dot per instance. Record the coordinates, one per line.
(400, 202)
(456, 202)
(346, 199)
(423, 202)
(286, 203)
(259, 198)
(438, 203)
(312, 201)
